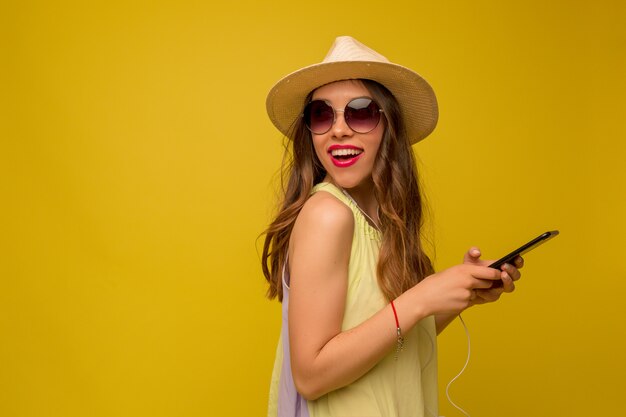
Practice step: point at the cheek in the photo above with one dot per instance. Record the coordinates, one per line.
(376, 143)
(319, 149)
(374, 156)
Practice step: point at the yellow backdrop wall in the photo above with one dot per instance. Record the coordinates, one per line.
(137, 170)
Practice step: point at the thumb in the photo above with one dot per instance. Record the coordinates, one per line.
(472, 256)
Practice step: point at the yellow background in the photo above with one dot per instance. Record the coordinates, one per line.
(137, 169)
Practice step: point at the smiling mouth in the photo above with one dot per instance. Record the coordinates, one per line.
(345, 157)
(345, 154)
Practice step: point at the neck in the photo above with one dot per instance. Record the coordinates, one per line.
(365, 200)
(363, 195)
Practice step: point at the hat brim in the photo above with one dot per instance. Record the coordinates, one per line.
(415, 96)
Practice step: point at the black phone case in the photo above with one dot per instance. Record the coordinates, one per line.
(544, 237)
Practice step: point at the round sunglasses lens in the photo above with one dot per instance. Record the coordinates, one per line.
(362, 115)
(318, 116)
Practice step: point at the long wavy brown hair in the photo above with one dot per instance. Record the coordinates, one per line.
(402, 261)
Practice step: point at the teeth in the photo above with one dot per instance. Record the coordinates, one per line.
(344, 152)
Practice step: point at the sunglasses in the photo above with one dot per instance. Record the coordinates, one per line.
(361, 114)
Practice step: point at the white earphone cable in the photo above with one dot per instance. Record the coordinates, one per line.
(462, 370)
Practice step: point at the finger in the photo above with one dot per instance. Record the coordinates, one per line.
(483, 272)
(472, 255)
(513, 272)
(489, 296)
(507, 282)
(519, 262)
(483, 284)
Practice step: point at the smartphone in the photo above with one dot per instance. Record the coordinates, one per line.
(544, 237)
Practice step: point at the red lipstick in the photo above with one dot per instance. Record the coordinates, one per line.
(343, 156)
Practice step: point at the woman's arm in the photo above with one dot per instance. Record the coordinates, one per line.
(324, 358)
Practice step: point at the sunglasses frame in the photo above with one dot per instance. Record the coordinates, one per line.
(342, 111)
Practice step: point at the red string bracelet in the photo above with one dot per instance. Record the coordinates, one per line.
(399, 332)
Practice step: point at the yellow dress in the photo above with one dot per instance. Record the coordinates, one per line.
(402, 387)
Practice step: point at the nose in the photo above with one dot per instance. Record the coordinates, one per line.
(340, 128)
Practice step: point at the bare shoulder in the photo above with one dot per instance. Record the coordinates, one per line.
(319, 249)
(325, 213)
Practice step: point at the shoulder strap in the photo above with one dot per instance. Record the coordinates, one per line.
(335, 191)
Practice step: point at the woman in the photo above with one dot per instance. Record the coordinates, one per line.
(361, 303)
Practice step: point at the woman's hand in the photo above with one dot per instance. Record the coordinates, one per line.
(452, 290)
(509, 273)
(472, 292)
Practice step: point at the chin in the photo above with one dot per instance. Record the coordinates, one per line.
(349, 181)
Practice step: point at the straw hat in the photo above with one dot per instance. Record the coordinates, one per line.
(350, 59)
